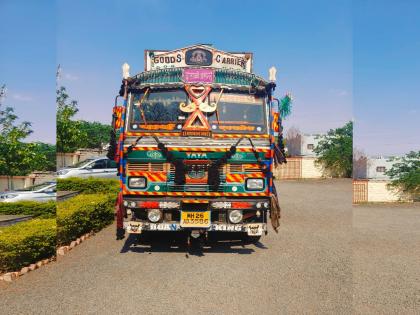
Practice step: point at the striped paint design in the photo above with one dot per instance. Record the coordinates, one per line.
(196, 194)
(184, 149)
(178, 134)
(234, 178)
(151, 176)
(194, 201)
(157, 134)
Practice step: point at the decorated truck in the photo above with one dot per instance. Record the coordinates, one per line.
(196, 138)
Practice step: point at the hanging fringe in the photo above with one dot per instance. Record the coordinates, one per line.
(275, 213)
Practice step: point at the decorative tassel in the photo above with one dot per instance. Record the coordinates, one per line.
(285, 106)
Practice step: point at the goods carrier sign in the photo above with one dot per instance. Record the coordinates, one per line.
(197, 56)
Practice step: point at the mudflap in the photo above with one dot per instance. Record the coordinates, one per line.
(119, 209)
(275, 213)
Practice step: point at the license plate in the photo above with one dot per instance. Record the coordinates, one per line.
(255, 229)
(195, 219)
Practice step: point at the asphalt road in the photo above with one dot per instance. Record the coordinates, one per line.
(309, 267)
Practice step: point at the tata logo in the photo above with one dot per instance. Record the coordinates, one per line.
(154, 154)
(196, 155)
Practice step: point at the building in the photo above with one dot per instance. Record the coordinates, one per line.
(302, 145)
(374, 167)
(301, 161)
(371, 184)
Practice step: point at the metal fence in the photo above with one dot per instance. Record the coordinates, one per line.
(290, 170)
(360, 191)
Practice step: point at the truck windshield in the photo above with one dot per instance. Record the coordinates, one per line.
(157, 107)
(237, 112)
(160, 110)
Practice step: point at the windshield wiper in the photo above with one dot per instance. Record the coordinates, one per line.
(141, 108)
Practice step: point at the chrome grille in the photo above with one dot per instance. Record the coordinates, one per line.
(196, 187)
(146, 167)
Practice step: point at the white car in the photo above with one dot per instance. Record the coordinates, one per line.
(92, 167)
(42, 192)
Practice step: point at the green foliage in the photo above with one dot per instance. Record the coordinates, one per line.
(49, 151)
(88, 185)
(25, 243)
(36, 209)
(82, 214)
(335, 151)
(69, 133)
(16, 156)
(97, 134)
(405, 175)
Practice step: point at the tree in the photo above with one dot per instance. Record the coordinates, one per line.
(16, 157)
(49, 151)
(335, 151)
(98, 134)
(360, 164)
(293, 141)
(405, 175)
(69, 133)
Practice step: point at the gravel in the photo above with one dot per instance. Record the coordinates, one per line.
(312, 266)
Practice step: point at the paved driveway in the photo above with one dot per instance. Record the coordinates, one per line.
(307, 268)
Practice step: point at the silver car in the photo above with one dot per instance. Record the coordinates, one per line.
(92, 167)
(42, 192)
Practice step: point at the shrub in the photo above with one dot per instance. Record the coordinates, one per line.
(82, 214)
(89, 185)
(25, 243)
(36, 209)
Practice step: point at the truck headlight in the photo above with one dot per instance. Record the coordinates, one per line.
(154, 215)
(235, 216)
(137, 182)
(254, 184)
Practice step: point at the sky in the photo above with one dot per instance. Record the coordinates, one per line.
(341, 60)
(386, 77)
(27, 63)
(310, 45)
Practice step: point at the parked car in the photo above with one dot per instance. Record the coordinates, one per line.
(92, 167)
(42, 192)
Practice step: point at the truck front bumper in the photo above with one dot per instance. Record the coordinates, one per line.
(252, 229)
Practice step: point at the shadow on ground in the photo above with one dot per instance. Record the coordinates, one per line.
(177, 242)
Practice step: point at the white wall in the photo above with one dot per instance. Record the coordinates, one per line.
(379, 192)
(309, 169)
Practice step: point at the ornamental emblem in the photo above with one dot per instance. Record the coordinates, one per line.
(154, 154)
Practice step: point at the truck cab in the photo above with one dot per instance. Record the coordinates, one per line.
(195, 144)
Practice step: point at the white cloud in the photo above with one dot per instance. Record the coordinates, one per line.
(21, 97)
(70, 77)
(339, 92)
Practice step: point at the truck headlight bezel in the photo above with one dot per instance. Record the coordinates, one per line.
(154, 215)
(137, 182)
(235, 216)
(254, 184)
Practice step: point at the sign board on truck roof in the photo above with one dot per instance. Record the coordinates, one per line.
(197, 56)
